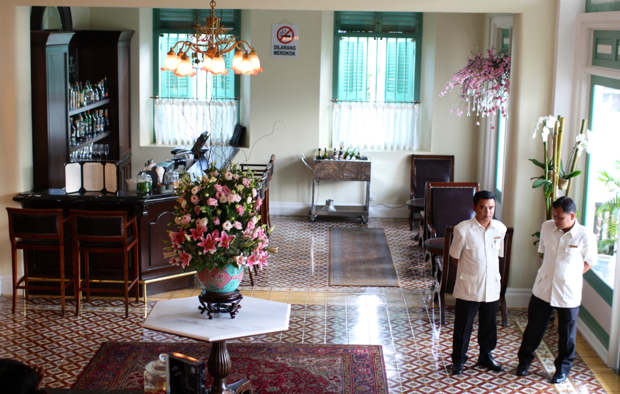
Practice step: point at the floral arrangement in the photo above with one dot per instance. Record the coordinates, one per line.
(556, 176)
(217, 222)
(485, 84)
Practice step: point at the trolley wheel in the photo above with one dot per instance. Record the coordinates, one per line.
(364, 220)
(312, 218)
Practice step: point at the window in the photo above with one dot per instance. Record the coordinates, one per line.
(376, 79)
(602, 205)
(188, 106)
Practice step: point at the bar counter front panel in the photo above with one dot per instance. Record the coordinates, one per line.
(154, 212)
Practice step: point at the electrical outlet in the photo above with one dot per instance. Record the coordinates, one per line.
(372, 198)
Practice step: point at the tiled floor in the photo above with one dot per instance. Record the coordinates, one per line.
(417, 349)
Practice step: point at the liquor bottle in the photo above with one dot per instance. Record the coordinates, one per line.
(105, 86)
(107, 121)
(352, 155)
(346, 154)
(72, 134)
(83, 98)
(100, 121)
(320, 156)
(89, 125)
(75, 133)
(325, 157)
(335, 155)
(80, 127)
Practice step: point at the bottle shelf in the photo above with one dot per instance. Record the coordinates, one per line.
(90, 141)
(98, 104)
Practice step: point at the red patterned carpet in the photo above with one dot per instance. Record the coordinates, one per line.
(272, 368)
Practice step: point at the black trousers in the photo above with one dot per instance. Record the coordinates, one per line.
(538, 315)
(463, 324)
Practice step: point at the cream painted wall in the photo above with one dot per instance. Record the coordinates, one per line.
(532, 76)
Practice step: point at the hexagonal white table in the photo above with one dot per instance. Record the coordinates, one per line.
(182, 317)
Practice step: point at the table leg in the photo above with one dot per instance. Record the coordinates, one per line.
(219, 366)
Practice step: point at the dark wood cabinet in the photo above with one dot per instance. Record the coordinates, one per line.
(50, 113)
(59, 58)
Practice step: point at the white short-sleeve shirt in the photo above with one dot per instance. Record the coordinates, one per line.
(478, 250)
(560, 278)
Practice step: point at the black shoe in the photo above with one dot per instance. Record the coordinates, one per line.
(491, 364)
(457, 369)
(522, 369)
(558, 378)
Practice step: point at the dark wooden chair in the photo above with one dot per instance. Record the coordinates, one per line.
(446, 204)
(104, 232)
(426, 168)
(39, 230)
(448, 274)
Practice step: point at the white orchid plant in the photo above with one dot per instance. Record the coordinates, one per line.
(551, 131)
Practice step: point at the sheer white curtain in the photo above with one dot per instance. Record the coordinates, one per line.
(181, 121)
(380, 126)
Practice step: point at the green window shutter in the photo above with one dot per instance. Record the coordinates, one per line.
(400, 69)
(352, 69)
(171, 85)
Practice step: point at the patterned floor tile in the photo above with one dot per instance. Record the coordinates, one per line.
(416, 348)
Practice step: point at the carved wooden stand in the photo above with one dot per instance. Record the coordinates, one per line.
(220, 303)
(219, 363)
(219, 366)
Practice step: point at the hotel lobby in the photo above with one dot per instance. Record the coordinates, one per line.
(287, 109)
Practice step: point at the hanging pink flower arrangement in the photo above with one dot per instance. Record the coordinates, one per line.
(485, 84)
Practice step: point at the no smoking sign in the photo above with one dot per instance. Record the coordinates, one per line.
(284, 40)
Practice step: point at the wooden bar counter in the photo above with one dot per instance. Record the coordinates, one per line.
(154, 212)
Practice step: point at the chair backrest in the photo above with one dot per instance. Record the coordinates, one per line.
(99, 226)
(504, 262)
(272, 160)
(448, 270)
(429, 168)
(35, 224)
(448, 204)
(264, 184)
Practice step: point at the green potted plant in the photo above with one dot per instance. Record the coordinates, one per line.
(555, 176)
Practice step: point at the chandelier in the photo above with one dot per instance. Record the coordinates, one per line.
(207, 47)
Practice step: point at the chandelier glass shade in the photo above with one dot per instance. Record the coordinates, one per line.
(205, 51)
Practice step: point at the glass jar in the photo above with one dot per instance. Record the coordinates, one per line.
(171, 179)
(144, 183)
(155, 376)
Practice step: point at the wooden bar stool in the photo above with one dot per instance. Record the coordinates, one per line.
(38, 229)
(104, 232)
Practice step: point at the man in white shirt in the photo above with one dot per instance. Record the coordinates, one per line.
(476, 247)
(570, 250)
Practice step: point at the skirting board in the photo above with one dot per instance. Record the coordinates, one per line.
(518, 298)
(303, 209)
(593, 341)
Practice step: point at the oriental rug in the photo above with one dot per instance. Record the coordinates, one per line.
(360, 257)
(272, 368)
